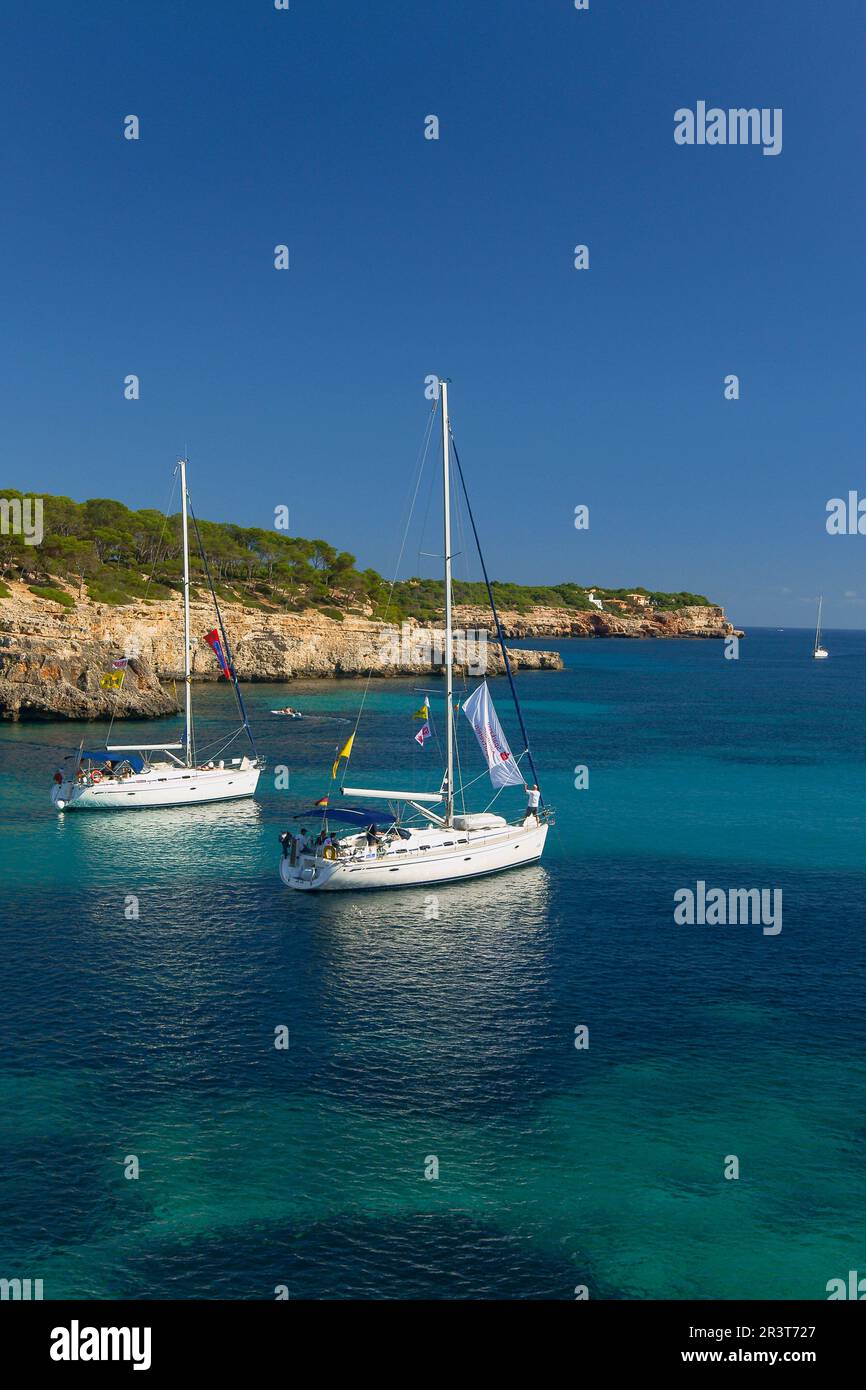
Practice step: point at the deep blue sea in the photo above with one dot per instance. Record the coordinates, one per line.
(415, 1037)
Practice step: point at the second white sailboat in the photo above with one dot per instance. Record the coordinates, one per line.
(124, 776)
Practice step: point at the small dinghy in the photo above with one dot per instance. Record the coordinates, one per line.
(289, 712)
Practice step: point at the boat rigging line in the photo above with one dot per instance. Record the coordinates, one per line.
(421, 460)
(226, 648)
(499, 633)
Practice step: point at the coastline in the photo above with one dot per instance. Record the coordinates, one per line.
(52, 658)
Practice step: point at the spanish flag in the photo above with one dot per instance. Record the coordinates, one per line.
(322, 801)
(343, 753)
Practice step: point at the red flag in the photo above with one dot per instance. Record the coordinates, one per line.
(213, 640)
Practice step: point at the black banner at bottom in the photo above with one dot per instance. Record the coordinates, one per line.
(162, 1338)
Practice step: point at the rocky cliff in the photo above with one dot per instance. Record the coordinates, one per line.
(52, 658)
(626, 621)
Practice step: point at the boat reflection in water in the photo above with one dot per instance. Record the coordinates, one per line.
(188, 839)
(463, 949)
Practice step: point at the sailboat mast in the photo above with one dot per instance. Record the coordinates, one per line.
(449, 649)
(187, 684)
(818, 625)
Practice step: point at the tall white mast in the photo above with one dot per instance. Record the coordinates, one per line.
(187, 684)
(449, 652)
(818, 625)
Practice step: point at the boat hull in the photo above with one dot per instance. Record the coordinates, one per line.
(151, 790)
(474, 857)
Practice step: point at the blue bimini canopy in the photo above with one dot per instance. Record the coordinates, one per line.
(135, 760)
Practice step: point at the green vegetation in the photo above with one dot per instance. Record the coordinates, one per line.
(51, 591)
(681, 600)
(114, 555)
(423, 598)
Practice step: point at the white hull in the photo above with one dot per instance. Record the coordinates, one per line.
(160, 786)
(820, 653)
(430, 856)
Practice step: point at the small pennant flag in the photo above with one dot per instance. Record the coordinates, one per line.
(213, 640)
(423, 712)
(344, 752)
(121, 663)
(322, 801)
(422, 734)
(112, 680)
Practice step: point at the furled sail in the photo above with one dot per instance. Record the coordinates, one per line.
(501, 765)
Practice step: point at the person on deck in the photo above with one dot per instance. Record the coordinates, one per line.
(533, 799)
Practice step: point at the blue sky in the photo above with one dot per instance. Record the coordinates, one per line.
(411, 257)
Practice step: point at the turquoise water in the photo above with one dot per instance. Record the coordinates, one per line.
(453, 1037)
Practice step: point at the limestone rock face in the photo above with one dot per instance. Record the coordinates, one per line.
(61, 681)
(697, 621)
(51, 658)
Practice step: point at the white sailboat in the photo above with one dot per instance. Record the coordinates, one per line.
(820, 652)
(128, 776)
(447, 845)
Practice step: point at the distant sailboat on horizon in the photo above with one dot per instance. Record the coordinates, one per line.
(820, 652)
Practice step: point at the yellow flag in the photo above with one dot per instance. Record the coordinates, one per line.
(343, 753)
(423, 712)
(112, 680)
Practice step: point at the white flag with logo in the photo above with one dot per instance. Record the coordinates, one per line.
(479, 710)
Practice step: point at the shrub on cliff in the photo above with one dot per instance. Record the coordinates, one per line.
(55, 595)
